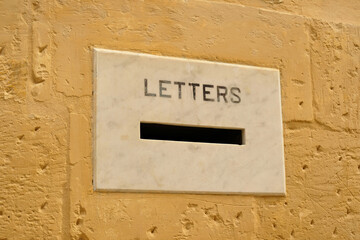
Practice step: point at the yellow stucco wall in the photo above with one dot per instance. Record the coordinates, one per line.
(45, 117)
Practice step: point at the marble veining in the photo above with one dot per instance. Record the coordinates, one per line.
(130, 88)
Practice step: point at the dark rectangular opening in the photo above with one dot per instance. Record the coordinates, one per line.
(157, 131)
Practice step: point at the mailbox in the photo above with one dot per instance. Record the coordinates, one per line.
(181, 125)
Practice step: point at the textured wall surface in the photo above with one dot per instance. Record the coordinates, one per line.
(46, 101)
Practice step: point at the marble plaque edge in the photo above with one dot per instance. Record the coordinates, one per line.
(183, 59)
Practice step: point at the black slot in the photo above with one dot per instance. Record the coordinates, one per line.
(157, 131)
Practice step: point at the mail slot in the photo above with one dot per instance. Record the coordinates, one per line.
(168, 132)
(166, 124)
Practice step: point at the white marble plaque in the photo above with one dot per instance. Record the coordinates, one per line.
(133, 90)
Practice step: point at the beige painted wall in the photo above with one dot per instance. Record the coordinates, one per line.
(45, 117)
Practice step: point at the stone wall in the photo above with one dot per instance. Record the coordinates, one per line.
(46, 116)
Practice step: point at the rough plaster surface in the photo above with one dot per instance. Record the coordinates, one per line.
(45, 131)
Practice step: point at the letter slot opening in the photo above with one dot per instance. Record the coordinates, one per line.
(157, 131)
